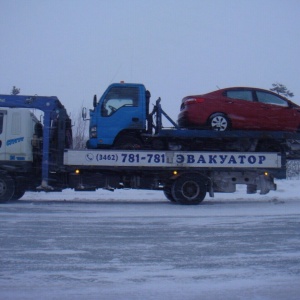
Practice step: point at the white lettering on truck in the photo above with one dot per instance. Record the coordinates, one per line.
(173, 159)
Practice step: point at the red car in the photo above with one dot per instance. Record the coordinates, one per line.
(239, 108)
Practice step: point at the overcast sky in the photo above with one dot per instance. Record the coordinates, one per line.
(74, 49)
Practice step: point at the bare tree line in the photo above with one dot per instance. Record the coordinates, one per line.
(79, 131)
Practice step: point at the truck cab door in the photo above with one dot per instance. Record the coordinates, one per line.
(122, 107)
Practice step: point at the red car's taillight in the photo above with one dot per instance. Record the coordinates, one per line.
(194, 100)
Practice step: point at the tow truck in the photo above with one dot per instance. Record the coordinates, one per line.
(128, 147)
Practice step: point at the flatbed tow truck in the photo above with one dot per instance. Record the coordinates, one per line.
(128, 149)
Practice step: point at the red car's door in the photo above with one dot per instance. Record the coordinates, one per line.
(242, 110)
(276, 113)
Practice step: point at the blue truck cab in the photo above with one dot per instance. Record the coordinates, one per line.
(120, 115)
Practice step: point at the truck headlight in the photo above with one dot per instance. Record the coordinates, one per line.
(93, 132)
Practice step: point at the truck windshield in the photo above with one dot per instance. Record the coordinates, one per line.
(117, 98)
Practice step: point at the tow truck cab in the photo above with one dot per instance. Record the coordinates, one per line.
(19, 131)
(121, 110)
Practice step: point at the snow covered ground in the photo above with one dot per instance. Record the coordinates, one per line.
(137, 245)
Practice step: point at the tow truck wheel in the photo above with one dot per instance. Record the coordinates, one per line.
(168, 192)
(189, 189)
(7, 188)
(19, 193)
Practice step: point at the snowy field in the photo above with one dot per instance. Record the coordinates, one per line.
(137, 245)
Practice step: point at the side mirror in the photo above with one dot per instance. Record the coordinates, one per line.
(95, 101)
(83, 113)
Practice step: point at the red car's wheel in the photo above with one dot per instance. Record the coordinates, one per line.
(219, 122)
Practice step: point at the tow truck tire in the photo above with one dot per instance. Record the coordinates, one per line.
(168, 192)
(7, 187)
(189, 189)
(21, 185)
(19, 193)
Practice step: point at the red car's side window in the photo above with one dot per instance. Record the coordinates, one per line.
(240, 94)
(270, 99)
